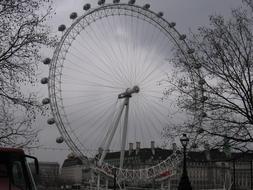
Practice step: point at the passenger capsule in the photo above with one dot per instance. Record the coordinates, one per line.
(50, 121)
(59, 139)
(101, 2)
(191, 51)
(131, 2)
(160, 14)
(116, 1)
(203, 99)
(172, 24)
(202, 81)
(182, 37)
(197, 65)
(61, 28)
(73, 15)
(47, 61)
(86, 7)
(200, 130)
(45, 101)
(194, 145)
(136, 89)
(146, 6)
(203, 114)
(44, 80)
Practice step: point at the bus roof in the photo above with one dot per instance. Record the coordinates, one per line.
(12, 150)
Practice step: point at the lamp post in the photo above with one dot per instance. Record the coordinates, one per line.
(184, 183)
(114, 178)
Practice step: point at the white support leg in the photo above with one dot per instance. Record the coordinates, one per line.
(125, 95)
(106, 184)
(124, 134)
(111, 135)
(162, 185)
(98, 182)
(169, 183)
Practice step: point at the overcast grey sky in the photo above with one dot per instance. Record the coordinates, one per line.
(188, 14)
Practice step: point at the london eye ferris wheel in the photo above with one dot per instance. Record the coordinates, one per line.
(107, 80)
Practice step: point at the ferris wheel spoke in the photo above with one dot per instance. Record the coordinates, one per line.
(119, 39)
(117, 61)
(149, 51)
(87, 112)
(119, 57)
(137, 36)
(110, 120)
(144, 122)
(106, 60)
(121, 67)
(88, 61)
(151, 73)
(88, 102)
(133, 47)
(121, 34)
(98, 126)
(156, 111)
(91, 83)
(95, 39)
(111, 135)
(85, 45)
(109, 58)
(155, 82)
(118, 72)
(84, 115)
(151, 55)
(90, 71)
(157, 117)
(150, 70)
(127, 40)
(83, 71)
(140, 121)
(153, 135)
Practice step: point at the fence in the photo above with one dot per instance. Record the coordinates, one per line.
(218, 175)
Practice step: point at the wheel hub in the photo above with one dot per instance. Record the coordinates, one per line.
(129, 91)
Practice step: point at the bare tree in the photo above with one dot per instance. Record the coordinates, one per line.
(222, 96)
(22, 34)
(16, 127)
(249, 3)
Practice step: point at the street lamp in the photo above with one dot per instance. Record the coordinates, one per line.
(114, 171)
(184, 183)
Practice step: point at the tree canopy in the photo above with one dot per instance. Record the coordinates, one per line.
(222, 96)
(23, 33)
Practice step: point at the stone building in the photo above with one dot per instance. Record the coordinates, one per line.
(208, 169)
(75, 171)
(72, 169)
(48, 174)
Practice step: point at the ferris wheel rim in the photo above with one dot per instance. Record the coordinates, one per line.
(55, 106)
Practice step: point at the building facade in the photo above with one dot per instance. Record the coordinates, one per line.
(48, 174)
(75, 171)
(208, 169)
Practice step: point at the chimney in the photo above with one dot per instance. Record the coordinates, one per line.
(174, 147)
(207, 151)
(226, 148)
(138, 146)
(100, 151)
(153, 147)
(131, 148)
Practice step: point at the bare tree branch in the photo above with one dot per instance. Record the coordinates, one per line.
(22, 34)
(224, 51)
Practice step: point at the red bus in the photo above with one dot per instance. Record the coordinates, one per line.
(15, 173)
